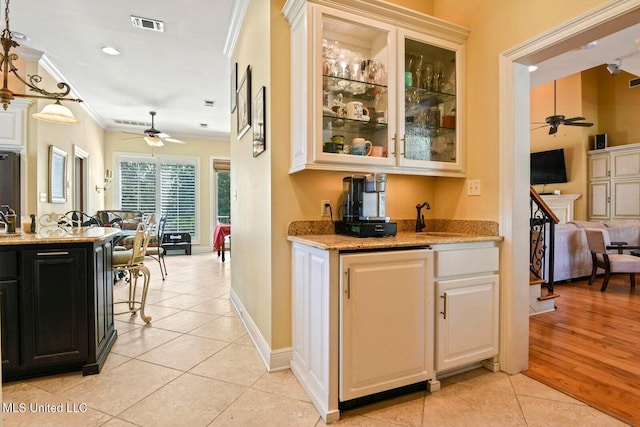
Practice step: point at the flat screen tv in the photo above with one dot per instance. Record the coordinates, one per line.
(548, 167)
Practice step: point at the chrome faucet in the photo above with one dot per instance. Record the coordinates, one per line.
(420, 220)
(9, 219)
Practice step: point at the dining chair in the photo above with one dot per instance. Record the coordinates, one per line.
(131, 263)
(610, 257)
(79, 219)
(155, 249)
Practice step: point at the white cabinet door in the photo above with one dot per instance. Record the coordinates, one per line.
(599, 166)
(599, 200)
(386, 324)
(625, 165)
(626, 196)
(467, 321)
(430, 103)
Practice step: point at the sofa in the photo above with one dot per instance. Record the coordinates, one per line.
(572, 258)
(124, 219)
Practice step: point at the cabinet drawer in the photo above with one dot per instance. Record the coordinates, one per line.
(466, 261)
(8, 265)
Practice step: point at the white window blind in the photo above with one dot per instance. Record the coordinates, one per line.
(178, 183)
(161, 185)
(138, 186)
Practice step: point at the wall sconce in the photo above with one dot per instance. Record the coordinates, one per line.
(108, 177)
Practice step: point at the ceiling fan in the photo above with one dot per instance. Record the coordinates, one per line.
(156, 138)
(558, 119)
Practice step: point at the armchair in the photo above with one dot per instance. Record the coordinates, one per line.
(600, 247)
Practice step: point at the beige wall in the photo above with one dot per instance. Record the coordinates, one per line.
(204, 150)
(495, 25)
(86, 135)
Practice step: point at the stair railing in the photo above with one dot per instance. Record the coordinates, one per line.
(541, 238)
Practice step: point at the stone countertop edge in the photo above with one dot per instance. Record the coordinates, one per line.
(56, 235)
(321, 234)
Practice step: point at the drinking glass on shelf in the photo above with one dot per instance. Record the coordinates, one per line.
(417, 71)
(331, 49)
(428, 76)
(356, 63)
(343, 62)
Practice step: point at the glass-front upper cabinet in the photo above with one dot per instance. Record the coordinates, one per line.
(428, 111)
(374, 88)
(354, 60)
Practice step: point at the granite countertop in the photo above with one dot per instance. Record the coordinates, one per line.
(49, 235)
(321, 234)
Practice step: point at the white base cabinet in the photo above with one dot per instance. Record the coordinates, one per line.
(467, 315)
(386, 321)
(366, 322)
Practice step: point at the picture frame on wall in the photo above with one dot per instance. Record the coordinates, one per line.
(259, 125)
(57, 175)
(244, 103)
(234, 87)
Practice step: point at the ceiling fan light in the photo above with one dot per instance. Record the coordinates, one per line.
(154, 141)
(56, 113)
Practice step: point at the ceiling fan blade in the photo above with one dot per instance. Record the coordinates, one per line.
(583, 124)
(132, 137)
(539, 127)
(162, 135)
(574, 119)
(176, 141)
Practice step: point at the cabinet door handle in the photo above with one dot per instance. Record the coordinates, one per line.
(404, 145)
(444, 312)
(393, 145)
(52, 253)
(347, 288)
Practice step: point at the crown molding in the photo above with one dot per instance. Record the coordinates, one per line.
(237, 16)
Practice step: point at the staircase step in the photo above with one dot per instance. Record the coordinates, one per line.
(548, 296)
(534, 282)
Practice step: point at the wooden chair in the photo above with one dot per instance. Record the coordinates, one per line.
(132, 262)
(611, 262)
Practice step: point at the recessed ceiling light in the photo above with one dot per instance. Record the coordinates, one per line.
(110, 50)
(532, 68)
(589, 45)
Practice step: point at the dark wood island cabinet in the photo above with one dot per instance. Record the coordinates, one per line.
(56, 302)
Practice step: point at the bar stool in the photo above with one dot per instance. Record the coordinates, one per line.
(132, 262)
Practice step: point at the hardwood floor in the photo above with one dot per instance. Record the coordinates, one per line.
(589, 347)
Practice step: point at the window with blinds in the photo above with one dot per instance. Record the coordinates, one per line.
(161, 185)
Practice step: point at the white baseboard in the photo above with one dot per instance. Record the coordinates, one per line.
(274, 360)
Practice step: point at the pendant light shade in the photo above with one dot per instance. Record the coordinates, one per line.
(154, 141)
(56, 113)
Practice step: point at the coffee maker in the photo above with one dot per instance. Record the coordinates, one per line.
(364, 207)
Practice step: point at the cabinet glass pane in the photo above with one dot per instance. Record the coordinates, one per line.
(354, 87)
(430, 102)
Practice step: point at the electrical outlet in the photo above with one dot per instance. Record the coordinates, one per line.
(473, 187)
(325, 208)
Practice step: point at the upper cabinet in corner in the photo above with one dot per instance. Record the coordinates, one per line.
(375, 87)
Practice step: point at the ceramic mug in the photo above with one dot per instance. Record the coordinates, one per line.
(361, 147)
(357, 111)
(377, 151)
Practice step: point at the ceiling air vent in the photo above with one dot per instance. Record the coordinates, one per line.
(147, 24)
(131, 123)
(634, 82)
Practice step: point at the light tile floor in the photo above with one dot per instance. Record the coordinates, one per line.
(194, 365)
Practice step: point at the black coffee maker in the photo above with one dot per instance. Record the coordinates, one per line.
(363, 207)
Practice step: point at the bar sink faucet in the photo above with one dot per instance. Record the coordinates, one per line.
(9, 219)
(420, 220)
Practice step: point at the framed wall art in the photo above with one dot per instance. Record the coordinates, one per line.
(234, 87)
(259, 123)
(57, 175)
(244, 103)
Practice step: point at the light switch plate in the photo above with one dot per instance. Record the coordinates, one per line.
(43, 197)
